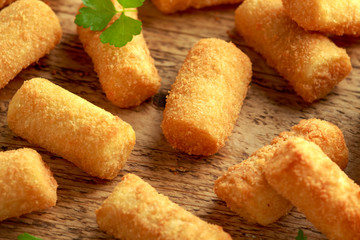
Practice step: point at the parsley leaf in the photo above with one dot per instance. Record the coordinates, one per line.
(122, 31)
(131, 3)
(301, 235)
(26, 236)
(98, 13)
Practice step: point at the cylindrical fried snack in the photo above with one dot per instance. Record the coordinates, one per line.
(26, 183)
(65, 124)
(29, 30)
(244, 187)
(134, 210)
(311, 63)
(127, 75)
(302, 173)
(335, 17)
(172, 6)
(206, 98)
(4, 3)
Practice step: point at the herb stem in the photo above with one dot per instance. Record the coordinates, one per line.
(127, 10)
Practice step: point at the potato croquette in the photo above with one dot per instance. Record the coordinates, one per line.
(29, 30)
(27, 184)
(311, 63)
(172, 6)
(127, 75)
(134, 210)
(206, 98)
(301, 172)
(4, 3)
(334, 17)
(67, 125)
(244, 187)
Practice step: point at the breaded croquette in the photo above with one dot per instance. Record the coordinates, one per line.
(127, 75)
(333, 17)
(311, 63)
(26, 183)
(4, 3)
(172, 6)
(65, 124)
(135, 210)
(301, 172)
(206, 98)
(29, 30)
(244, 187)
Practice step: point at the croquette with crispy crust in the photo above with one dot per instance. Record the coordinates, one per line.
(27, 184)
(244, 187)
(205, 100)
(135, 210)
(127, 75)
(340, 17)
(172, 6)
(311, 63)
(29, 30)
(301, 172)
(65, 124)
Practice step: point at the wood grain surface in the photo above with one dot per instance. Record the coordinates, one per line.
(270, 107)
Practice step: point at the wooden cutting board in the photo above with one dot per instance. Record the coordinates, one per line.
(271, 106)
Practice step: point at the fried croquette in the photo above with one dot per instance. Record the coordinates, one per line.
(206, 98)
(135, 210)
(127, 75)
(244, 187)
(332, 17)
(311, 63)
(65, 124)
(172, 6)
(27, 184)
(301, 172)
(29, 30)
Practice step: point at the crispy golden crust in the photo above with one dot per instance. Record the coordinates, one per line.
(311, 63)
(206, 98)
(127, 75)
(301, 172)
(172, 6)
(65, 124)
(325, 134)
(26, 183)
(134, 210)
(4, 3)
(29, 30)
(333, 17)
(244, 187)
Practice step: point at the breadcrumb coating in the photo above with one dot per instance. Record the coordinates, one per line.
(26, 183)
(135, 210)
(172, 6)
(4, 3)
(301, 172)
(332, 17)
(65, 124)
(127, 75)
(206, 98)
(244, 187)
(29, 30)
(311, 63)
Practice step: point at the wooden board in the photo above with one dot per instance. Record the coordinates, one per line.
(271, 106)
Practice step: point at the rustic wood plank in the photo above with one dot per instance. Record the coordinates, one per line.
(270, 107)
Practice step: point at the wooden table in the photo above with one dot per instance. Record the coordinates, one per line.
(271, 106)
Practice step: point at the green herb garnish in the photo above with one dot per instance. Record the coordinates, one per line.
(26, 236)
(301, 235)
(97, 14)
